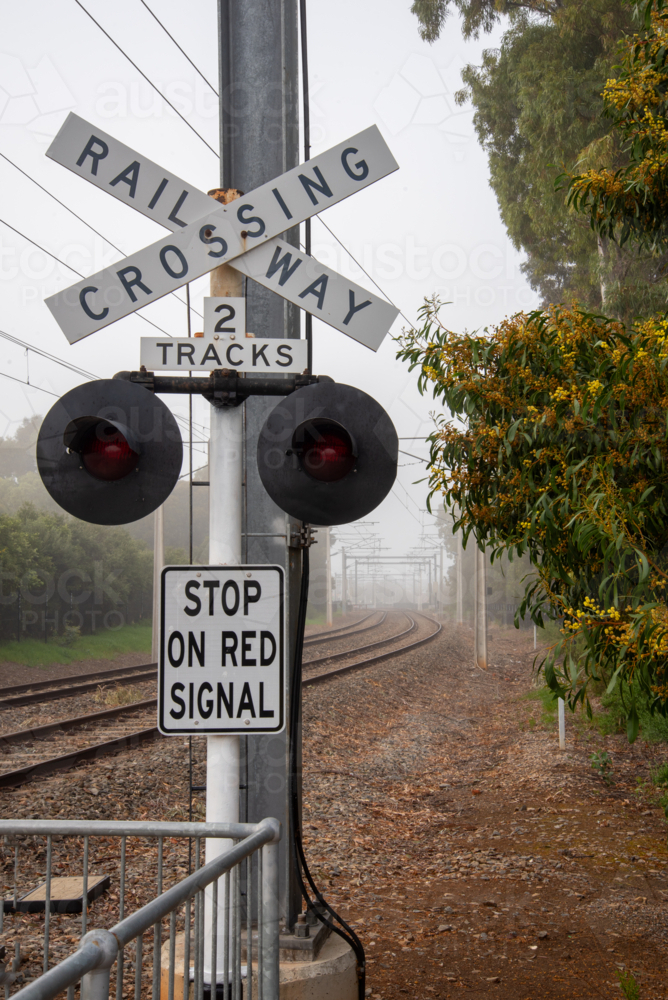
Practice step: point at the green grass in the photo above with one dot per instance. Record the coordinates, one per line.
(612, 719)
(103, 645)
(550, 634)
(548, 703)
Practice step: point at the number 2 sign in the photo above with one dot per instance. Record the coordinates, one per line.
(224, 316)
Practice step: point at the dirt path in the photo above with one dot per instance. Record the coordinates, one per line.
(473, 856)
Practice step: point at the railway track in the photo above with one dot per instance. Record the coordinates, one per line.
(344, 631)
(67, 687)
(119, 724)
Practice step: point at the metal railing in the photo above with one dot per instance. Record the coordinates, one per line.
(255, 850)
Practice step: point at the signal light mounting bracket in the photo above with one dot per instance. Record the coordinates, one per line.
(301, 537)
(224, 387)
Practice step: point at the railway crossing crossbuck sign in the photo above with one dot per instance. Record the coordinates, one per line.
(222, 650)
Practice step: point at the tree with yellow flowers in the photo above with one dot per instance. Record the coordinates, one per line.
(631, 202)
(560, 450)
(558, 442)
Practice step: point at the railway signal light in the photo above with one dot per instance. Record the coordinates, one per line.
(109, 452)
(327, 454)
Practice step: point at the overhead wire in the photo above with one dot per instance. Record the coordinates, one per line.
(31, 385)
(148, 80)
(73, 269)
(183, 53)
(407, 508)
(45, 354)
(76, 216)
(411, 455)
(362, 268)
(76, 370)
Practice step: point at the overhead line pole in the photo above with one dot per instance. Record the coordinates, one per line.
(259, 140)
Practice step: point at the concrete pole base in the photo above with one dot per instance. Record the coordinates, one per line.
(330, 976)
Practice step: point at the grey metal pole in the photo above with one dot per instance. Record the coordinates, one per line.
(259, 140)
(158, 563)
(480, 608)
(344, 582)
(328, 570)
(439, 596)
(270, 921)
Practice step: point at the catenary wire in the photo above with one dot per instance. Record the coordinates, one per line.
(184, 54)
(75, 214)
(73, 269)
(141, 72)
(407, 508)
(362, 268)
(45, 354)
(31, 385)
(411, 455)
(77, 371)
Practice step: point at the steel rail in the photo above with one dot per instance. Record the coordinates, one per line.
(68, 760)
(320, 678)
(60, 681)
(72, 691)
(39, 732)
(21, 775)
(322, 636)
(362, 649)
(344, 635)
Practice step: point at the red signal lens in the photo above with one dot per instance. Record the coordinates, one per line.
(327, 452)
(106, 454)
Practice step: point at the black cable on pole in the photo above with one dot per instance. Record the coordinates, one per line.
(324, 910)
(306, 113)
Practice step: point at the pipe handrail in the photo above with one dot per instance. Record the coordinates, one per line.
(98, 949)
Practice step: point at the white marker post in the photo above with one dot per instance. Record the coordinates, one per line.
(480, 624)
(225, 526)
(562, 724)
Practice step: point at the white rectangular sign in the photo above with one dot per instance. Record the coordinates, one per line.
(224, 315)
(171, 202)
(204, 354)
(222, 650)
(223, 233)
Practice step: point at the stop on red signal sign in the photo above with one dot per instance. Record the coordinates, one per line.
(222, 650)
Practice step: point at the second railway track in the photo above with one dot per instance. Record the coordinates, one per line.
(88, 737)
(76, 684)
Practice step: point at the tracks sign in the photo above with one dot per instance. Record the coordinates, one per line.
(222, 650)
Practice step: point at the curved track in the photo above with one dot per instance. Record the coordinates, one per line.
(361, 649)
(343, 633)
(370, 660)
(125, 736)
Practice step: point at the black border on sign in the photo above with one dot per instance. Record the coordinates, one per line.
(195, 730)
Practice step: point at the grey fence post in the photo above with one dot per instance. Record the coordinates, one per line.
(95, 984)
(269, 970)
